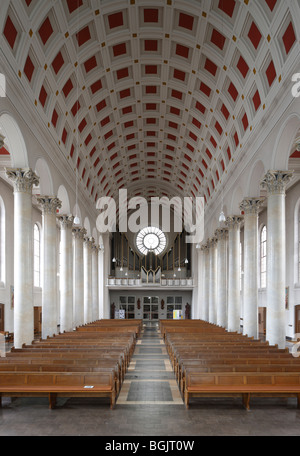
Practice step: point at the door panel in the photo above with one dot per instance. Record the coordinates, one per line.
(1, 317)
(297, 319)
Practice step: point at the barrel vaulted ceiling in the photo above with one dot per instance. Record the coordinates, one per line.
(158, 96)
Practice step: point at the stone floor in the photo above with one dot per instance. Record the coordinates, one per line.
(149, 404)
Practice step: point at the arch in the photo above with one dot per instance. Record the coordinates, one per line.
(46, 183)
(285, 141)
(255, 177)
(37, 255)
(87, 226)
(95, 235)
(236, 200)
(63, 196)
(2, 242)
(297, 243)
(14, 140)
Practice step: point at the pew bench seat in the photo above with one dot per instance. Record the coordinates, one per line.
(53, 385)
(244, 385)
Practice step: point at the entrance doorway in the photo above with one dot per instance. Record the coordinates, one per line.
(1, 317)
(262, 321)
(150, 308)
(37, 321)
(297, 320)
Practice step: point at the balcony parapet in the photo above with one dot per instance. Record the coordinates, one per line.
(134, 282)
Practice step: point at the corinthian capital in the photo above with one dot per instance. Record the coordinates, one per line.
(89, 241)
(212, 242)
(78, 232)
(221, 233)
(251, 205)
(234, 221)
(66, 221)
(276, 181)
(204, 248)
(49, 204)
(23, 179)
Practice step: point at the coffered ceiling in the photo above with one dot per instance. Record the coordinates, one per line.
(157, 97)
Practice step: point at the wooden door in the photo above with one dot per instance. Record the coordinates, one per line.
(1, 317)
(37, 320)
(262, 320)
(297, 320)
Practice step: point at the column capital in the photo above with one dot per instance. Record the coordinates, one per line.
(251, 205)
(66, 221)
(234, 221)
(276, 181)
(95, 248)
(89, 241)
(78, 232)
(221, 233)
(212, 242)
(49, 204)
(204, 248)
(23, 179)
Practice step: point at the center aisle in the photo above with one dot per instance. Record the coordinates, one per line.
(150, 378)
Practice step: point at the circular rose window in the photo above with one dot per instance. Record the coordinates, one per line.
(151, 239)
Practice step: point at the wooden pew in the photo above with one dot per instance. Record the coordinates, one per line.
(211, 362)
(53, 385)
(245, 385)
(68, 364)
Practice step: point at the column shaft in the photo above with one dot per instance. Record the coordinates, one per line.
(205, 307)
(78, 289)
(213, 280)
(101, 281)
(87, 259)
(200, 284)
(95, 292)
(222, 235)
(49, 284)
(250, 207)
(234, 292)
(66, 274)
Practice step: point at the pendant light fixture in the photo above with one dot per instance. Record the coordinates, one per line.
(222, 218)
(179, 268)
(76, 218)
(121, 268)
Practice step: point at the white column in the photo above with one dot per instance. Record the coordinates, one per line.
(66, 273)
(106, 272)
(200, 259)
(95, 291)
(49, 207)
(250, 207)
(101, 281)
(234, 270)
(205, 305)
(78, 288)
(23, 181)
(213, 280)
(87, 261)
(275, 182)
(222, 235)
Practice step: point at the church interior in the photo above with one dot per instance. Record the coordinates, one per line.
(127, 126)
